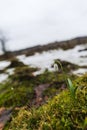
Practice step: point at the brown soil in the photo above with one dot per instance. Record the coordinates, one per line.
(39, 99)
(39, 90)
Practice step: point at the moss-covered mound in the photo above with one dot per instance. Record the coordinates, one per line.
(61, 113)
(18, 89)
(67, 66)
(15, 63)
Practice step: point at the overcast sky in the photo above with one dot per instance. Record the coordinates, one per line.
(31, 22)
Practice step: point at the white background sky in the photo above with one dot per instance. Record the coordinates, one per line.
(31, 22)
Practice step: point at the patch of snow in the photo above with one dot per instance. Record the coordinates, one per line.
(10, 71)
(46, 59)
(4, 64)
(80, 71)
(3, 77)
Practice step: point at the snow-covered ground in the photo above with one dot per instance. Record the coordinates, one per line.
(46, 59)
(4, 64)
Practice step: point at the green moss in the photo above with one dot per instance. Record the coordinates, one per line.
(60, 113)
(50, 77)
(15, 63)
(23, 74)
(56, 80)
(56, 114)
(50, 92)
(16, 95)
(81, 81)
(18, 89)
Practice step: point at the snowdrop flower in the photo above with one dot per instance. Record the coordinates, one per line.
(56, 67)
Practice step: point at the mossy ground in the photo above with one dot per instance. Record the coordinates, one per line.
(18, 90)
(59, 112)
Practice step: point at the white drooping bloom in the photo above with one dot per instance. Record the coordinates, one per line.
(56, 67)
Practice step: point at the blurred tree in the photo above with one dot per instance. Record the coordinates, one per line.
(3, 40)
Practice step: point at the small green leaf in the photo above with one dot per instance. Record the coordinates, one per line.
(71, 88)
(85, 122)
